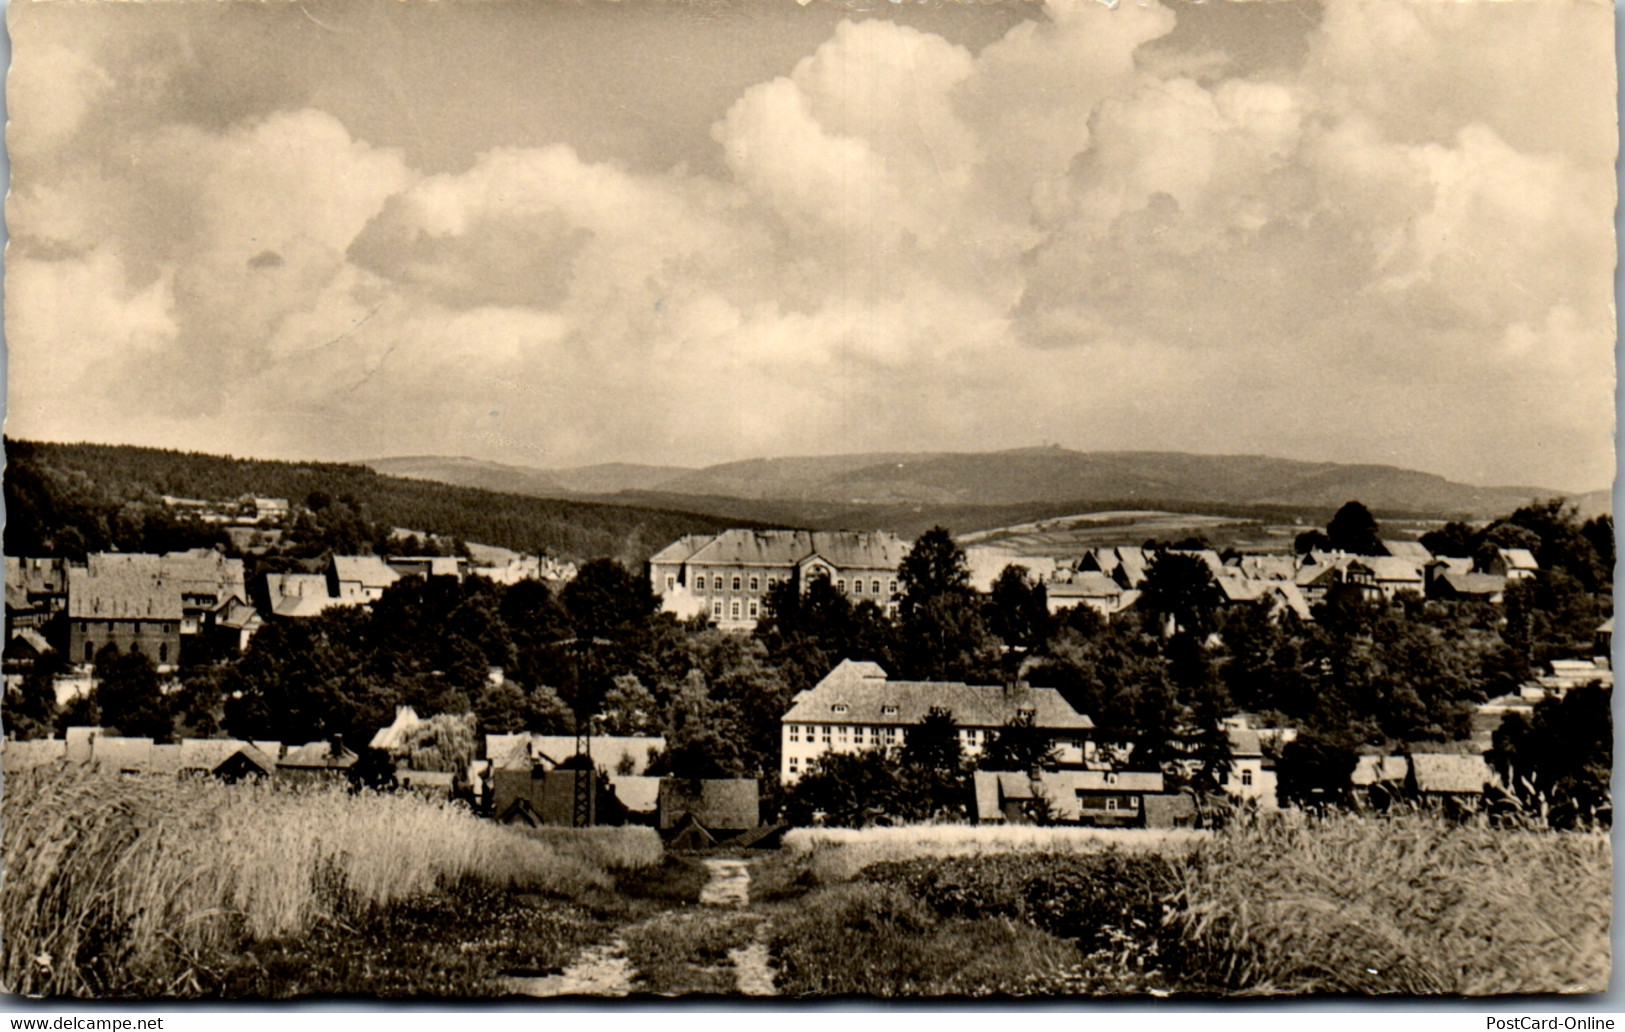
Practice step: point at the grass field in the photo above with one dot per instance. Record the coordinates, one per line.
(148, 886)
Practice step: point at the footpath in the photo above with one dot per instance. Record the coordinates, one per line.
(718, 947)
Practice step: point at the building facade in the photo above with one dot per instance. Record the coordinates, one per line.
(857, 708)
(123, 600)
(727, 577)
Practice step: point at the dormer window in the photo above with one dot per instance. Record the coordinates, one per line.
(839, 707)
(888, 711)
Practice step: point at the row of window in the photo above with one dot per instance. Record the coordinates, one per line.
(753, 609)
(737, 583)
(112, 627)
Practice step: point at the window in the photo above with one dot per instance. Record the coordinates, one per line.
(857, 587)
(839, 707)
(90, 652)
(1111, 803)
(891, 586)
(755, 583)
(888, 711)
(671, 581)
(166, 628)
(163, 652)
(1131, 802)
(733, 609)
(793, 765)
(875, 588)
(84, 627)
(736, 582)
(753, 609)
(840, 585)
(716, 608)
(699, 583)
(772, 582)
(1246, 777)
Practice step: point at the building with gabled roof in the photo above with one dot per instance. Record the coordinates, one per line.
(1514, 563)
(299, 595)
(1095, 798)
(730, 574)
(207, 580)
(858, 707)
(1089, 588)
(123, 599)
(359, 579)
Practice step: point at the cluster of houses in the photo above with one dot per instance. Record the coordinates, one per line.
(230, 759)
(1109, 579)
(155, 604)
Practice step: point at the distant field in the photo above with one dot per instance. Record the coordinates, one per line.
(1073, 535)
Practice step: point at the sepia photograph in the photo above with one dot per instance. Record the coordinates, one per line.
(555, 501)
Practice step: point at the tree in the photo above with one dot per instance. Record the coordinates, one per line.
(1017, 610)
(502, 708)
(1561, 762)
(935, 779)
(1454, 539)
(848, 790)
(934, 567)
(1312, 540)
(1315, 772)
(129, 696)
(30, 705)
(1180, 589)
(1018, 746)
(1353, 529)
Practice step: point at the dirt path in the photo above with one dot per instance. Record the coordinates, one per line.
(686, 965)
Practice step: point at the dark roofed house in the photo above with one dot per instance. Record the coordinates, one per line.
(123, 600)
(316, 761)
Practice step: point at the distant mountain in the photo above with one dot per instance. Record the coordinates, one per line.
(825, 487)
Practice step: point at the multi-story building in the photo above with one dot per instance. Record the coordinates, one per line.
(727, 576)
(207, 581)
(857, 707)
(124, 600)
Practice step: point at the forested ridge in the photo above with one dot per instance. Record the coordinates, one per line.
(68, 499)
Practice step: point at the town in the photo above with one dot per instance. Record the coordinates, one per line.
(754, 679)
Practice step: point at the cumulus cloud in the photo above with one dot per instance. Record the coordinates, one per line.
(1063, 235)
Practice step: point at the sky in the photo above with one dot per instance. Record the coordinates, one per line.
(560, 232)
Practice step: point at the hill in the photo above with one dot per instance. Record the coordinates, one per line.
(1034, 482)
(89, 497)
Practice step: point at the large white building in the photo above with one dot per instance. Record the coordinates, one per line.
(726, 577)
(857, 707)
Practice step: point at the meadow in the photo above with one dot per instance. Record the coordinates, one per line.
(1408, 904)
(117, 886)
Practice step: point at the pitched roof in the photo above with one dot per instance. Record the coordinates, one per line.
(608, 751)
(203, 571)
(367, 570)
(123, 587)
(680, 550)
(113, 753)
(871, 700)
(1387, 568)
(1436, 772)
(1267, 567)
(1519, 559)
(1474, 583)
(1414, 551)
(1059, 787)
(730, 804)
(845, 549)
(318, 755)
(47, 576)
(1244, 744)
(298, 594)
(1085, 584)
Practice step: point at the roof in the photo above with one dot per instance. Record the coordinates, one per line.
(731, 804)
(237, 615)
(1436, 772)
(1372, 769)
(637, 793)
(1085, 584)
(608, 751)
(876, 700)
(367, 570)
(123, 587)
(29, 641)
(1245, 744)
(843, 549)
(203, 571)
(298, 594)
(680, 550)
(1474, 583)
(1387, 568)
(209, 753)
(1267, 567)
(1059, 787)
(1163, 810)
(113, 753)
(47, 576)
(1519, 559)
(393, 737)
(1414, 551)
(318, 755)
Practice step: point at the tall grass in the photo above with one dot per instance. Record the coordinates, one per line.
(135, 886)
(838, 854)
(1406, 905)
